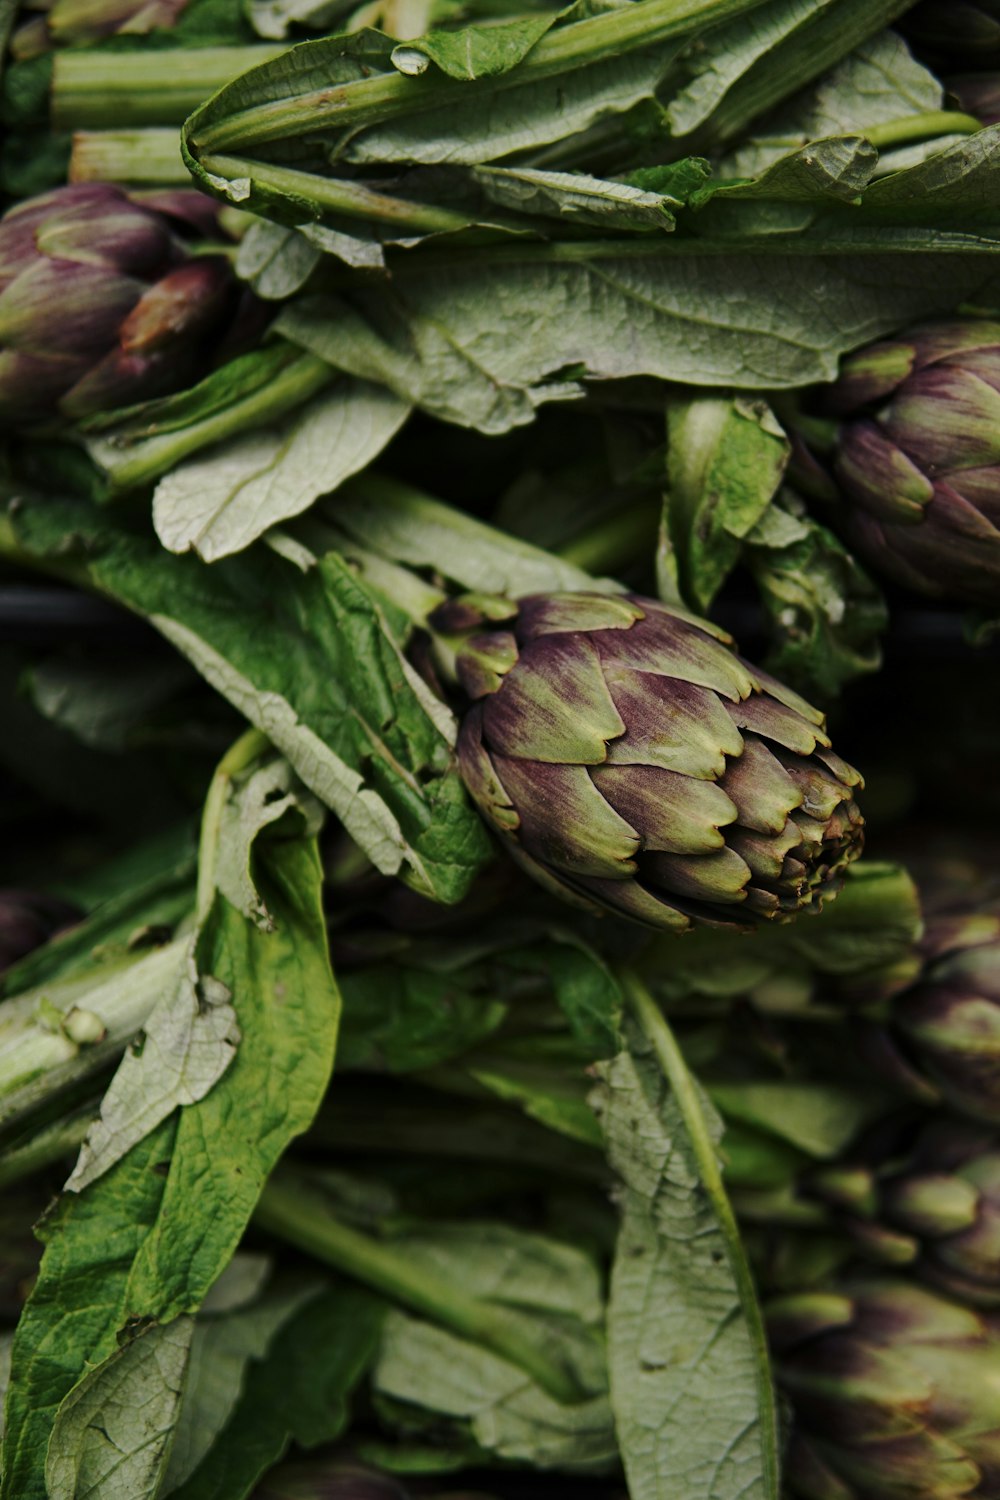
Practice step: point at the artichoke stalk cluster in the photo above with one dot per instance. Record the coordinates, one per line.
(103, 303)
(918, 457)
(74, 23)
(631, 761)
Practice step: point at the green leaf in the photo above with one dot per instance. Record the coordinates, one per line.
(821, 34)
(690, 1385)
(827, 615)
(474, 52)
(190, 1036)
(576, 197)
(143, 1245)
(103, 701)
(528, 1277)
(820, 1119)
(725, 461)
(307, 657)
(692, 316)
(880, 81)
(298, 1392)
(956, 185)
(407, 526)
(729, 52)
(221, 501)
(836, 170)
(403, 1018)
(235, 1327)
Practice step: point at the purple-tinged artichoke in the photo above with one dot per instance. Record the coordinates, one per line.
(958, 31)
(918, 457)
(74, 23)
(101, 303)
(27, 920)
(938, 1032)
(630, 761)
(894, 1393)
(932, 1202)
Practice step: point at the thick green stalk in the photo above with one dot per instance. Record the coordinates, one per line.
(94, 90)
(50, 1144)
(338, 195)
(675, 1070)
(646, 23)
(294, 1210)
(130, 463)
(925, 127)
(147, 157)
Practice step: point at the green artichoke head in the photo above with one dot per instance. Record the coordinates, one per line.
(631, 761)
(895, 1393)
(918, 457)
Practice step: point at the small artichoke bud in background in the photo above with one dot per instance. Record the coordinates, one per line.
(932, 1202)
(978, 94)
(630, 761)
(27, 920)
(918, 457)
(893, 1390)
(940, 1040)
(101, 302)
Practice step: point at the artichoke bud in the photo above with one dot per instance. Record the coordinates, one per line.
(893, 1393)
(918, 457)
(27, 920)
(978, 94)
(101, 303)
(631, 762)
(932, 1199)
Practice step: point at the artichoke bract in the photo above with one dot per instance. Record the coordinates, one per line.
(940, 1038)
(918, 455)
(101, 303)
(932, 1202)
(631, 761)
(895, 1393)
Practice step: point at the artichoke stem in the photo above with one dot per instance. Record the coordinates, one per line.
(296, 1211)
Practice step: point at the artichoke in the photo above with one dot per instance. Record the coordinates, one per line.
(933, 1202)
(918, 457)
(955, 30)
(939, 1038)
(895, 1392)
(629, 760)
(27, 920)
(978, 94)
(101, 303)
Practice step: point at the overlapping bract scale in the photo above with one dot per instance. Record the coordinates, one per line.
(918, 455)
(631, 760)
